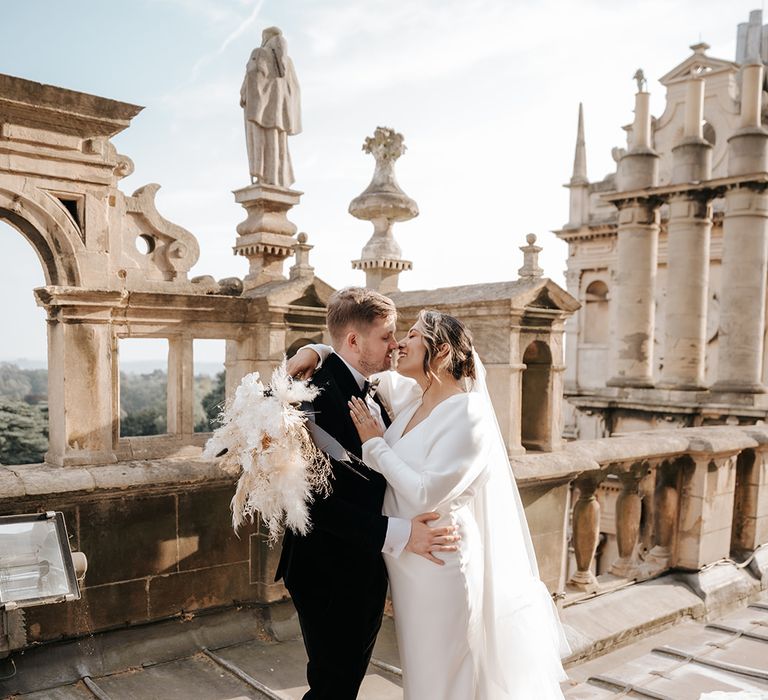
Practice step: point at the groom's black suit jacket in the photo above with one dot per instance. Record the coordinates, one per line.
(348, 529)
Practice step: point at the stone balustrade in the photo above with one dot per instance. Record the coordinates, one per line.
(644, 504)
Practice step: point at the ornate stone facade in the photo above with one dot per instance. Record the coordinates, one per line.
(667, 256)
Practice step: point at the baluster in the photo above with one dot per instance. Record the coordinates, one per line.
(664, 521)
(586, 533)
(628, 512)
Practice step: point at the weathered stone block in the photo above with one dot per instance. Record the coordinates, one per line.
(122, 537)
(205, 519)
(203, 588)
(100, 607)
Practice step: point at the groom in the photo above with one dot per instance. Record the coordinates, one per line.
(336, 574)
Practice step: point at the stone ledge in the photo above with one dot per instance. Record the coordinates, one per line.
(539, 467)
(619, 618)
(42, 479)
(616, 619)
(647, 445)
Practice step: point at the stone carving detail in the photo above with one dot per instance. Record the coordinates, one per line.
(530, 268)
(639, 77)
(383, 203)
(170, 249)
(124, 167)
(271, 99)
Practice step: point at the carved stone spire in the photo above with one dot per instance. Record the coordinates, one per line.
(579, 176)
(383, 203)
(578, 211)
(530, 268)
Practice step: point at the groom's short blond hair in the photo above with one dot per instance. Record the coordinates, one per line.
(358, 308)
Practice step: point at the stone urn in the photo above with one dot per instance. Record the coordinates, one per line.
(383, 203)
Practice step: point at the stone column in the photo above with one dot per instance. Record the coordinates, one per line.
(572, 285)
(637, 251)
(181, 386)
(261, 349)
(82, 393)
(688, 234)
(745, 250)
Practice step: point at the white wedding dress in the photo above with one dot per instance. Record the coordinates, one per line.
(483, 626)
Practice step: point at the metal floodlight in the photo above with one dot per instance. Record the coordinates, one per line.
(36, 564)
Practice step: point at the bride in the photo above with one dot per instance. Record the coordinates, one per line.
(482, 626)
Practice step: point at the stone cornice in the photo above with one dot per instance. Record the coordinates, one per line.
(216, 316)
(709, 189)
(382, 263)
(588, 232)
(41, 106)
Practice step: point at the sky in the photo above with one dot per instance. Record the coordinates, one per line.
(486, 93)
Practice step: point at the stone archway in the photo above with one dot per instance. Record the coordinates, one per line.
(536, 424)
(50, 232)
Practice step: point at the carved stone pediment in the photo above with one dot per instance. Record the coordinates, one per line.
(698, 63)
(305, 291)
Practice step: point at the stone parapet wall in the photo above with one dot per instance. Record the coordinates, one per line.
(158, 538)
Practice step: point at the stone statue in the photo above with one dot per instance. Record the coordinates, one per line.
(642, 83)
(271, 102)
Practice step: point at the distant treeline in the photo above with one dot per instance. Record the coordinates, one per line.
(143, 402)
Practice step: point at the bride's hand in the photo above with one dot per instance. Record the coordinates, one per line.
(303, 364)
(367, 425)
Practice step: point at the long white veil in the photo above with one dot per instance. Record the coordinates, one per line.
(523, 638)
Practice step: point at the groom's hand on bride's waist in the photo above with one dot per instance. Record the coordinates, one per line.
(426, 540)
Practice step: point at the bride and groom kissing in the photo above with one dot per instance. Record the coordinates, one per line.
(428, 504)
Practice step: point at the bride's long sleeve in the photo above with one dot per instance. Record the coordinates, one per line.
(456, 460)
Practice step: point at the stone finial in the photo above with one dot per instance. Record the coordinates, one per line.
(302, 268)
(383, 203)
(530, 268)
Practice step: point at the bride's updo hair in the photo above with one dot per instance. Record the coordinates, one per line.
(440, 329)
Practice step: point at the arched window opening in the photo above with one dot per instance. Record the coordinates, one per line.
(23, 354)
(536, 403)
(596, 325)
